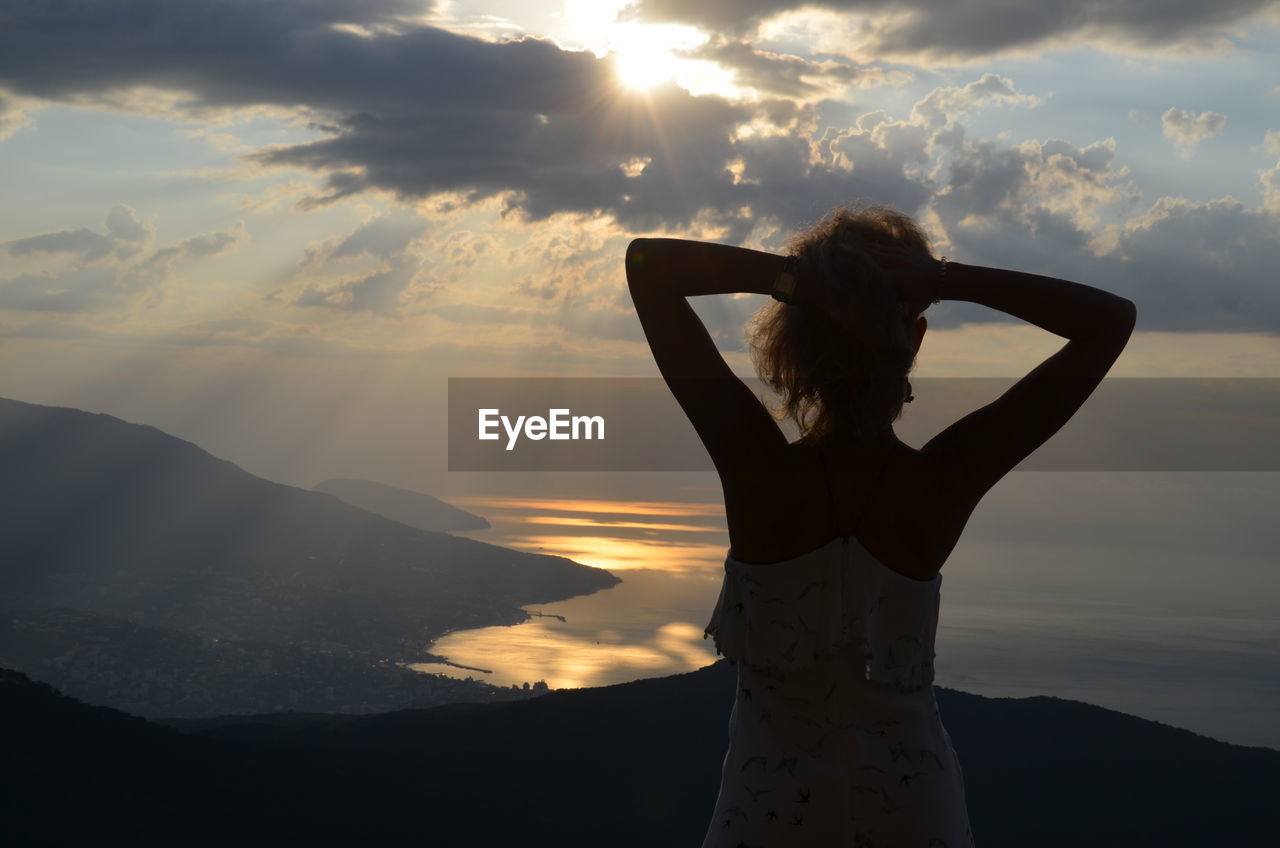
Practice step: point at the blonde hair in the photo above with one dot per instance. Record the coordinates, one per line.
(846, 377)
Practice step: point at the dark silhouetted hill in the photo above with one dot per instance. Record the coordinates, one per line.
(413, 508)
(630, 765)
(129, 558)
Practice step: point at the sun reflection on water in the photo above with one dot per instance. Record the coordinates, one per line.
(608, 534)
(650, 625)
(564, 506)
(612, 553)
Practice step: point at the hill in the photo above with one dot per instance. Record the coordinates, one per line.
(416, 509)
(129, 558)
(629, 765)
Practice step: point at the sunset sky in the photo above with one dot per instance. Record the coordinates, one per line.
(276, 228)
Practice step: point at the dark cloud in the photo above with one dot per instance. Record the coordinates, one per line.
(420, 111)
(226, 52)
(967, 29)
(558, 155)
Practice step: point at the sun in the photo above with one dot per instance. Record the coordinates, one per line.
(641, 67)
(646, 56)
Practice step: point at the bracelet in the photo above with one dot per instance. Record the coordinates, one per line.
(942, 278)
(784, 286)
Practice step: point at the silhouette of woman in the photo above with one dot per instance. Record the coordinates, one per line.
(835, 737)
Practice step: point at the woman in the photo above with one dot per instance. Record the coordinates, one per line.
(830, 596)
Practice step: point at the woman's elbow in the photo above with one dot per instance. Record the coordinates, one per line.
(637, 252)
(639, 260)
(1125, 318)
(1129, 311)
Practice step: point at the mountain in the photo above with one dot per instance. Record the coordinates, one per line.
(129, 559)
(413, 508)
(635, 764)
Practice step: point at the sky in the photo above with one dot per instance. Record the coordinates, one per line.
(278, 228)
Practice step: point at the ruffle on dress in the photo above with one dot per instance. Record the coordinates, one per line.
(778, 618)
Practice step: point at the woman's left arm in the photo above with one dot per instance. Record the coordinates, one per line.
(737, 430)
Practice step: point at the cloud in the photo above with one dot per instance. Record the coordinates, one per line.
(1271, 142)
(223, 331)
(476, 313)
(57, 48)
(1036, 206)
(107, 270)
(1202, 266)
(946, 104)
(86, 244)
(1032, 206)
(418, 113)
(894, 160)
(1044, 206)
(383, 238)
(398, 279)
(1186, 130)
(795, 77)
(236, 326)
(988, 184)
(1269, 180)
(123, 230)
(380, 292)
(80, 289)
(123, 225)
(204, 244)
(211, 244)
(13, 113)
(959, 31)
(548, 149)
(270, 197)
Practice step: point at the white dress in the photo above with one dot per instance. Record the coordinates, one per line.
(835, 737)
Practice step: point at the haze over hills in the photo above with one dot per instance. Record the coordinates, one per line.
(416, 509)
(133, 565)
(636, 764)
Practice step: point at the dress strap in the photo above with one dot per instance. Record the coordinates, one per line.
(835, 516)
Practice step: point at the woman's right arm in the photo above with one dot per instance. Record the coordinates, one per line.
(991, 441)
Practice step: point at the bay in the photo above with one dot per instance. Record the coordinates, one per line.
(1153, 594)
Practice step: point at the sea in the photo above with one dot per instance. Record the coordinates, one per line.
(1155, 594)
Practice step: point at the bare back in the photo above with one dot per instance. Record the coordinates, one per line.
(893, 498)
